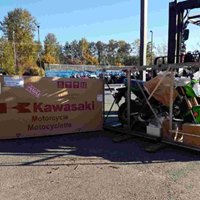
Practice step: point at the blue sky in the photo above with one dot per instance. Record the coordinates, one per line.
(97, 19)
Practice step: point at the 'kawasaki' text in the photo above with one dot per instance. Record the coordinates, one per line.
(25, 107)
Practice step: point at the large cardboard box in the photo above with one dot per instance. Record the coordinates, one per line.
(38, 106)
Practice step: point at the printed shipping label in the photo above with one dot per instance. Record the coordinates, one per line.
(33, 90)
(13, 81)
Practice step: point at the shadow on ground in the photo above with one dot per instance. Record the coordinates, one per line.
(86, 145)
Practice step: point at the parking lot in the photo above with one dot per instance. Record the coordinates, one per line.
(92, 166)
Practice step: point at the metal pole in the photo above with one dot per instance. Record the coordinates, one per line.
(171, 100)
(172, 32)
(39, 56)
(14, 51)
(103, 87)
(151, 47)
(143, 35)
(179, 36)
(128, 100)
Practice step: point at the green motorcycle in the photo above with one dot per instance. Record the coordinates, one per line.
(185, 102)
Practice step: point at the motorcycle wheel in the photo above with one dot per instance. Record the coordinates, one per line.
(122, 112)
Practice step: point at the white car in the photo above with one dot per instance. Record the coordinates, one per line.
(93, 76)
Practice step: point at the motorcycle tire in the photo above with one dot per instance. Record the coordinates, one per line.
(122, 112)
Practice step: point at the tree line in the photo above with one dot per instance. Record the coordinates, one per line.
(20, 52)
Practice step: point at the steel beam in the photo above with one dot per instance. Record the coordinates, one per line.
(172, 37)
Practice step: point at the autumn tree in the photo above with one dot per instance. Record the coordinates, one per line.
(72, 52)
(150, 54)
(80, 52)
(84, 48)
(136, 47)
(112, 48)
(67, 52)
(123, 51)
(101, 52)
(18, 27)
(51, 49)
(6, 56)
(136, 52)
(92, 49)
(120, 53)
(61, 54)
(86, 56)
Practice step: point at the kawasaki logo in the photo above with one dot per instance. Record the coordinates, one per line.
(23, 107)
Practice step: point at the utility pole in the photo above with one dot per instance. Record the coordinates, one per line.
(143, 35)
(151, 47)
(39, 55)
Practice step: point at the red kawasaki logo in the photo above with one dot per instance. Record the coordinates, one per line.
(41, 107)
(20, 107)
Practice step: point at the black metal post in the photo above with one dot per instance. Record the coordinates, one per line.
(172, 32)
(151, 47)
(39, 56)
(179, 36)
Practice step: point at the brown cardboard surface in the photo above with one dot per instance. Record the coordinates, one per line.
(165, 130)
(193, 129)
(171, 136)
(162, 93)
(48, 106)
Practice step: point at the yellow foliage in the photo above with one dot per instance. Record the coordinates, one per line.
(90, 60)
(49, 59)
(118, 64)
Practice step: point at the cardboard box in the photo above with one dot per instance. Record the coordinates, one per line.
(35, 106)
(194, 139)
